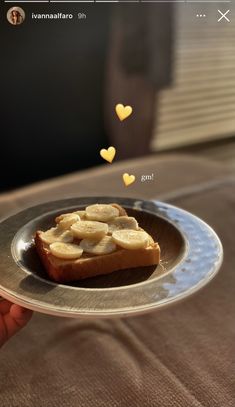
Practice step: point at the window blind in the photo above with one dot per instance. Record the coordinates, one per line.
(200, 104)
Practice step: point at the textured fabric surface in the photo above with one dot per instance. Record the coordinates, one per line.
(181, 356)
(171, 174)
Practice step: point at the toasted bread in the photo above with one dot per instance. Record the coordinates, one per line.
(89, 265)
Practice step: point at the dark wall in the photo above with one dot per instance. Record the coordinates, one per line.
(52, 81)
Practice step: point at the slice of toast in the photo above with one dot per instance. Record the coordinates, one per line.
(89, 265)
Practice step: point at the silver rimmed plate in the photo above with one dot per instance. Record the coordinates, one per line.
(191, 254)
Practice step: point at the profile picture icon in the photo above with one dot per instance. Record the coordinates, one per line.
(16, 15)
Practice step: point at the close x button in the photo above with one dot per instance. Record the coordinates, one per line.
(223, 16)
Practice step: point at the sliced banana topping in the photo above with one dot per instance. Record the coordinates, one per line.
(60, 217)
(103, 246)
(131, 239)
(68, 220)
(92, 226)
(88, 229)
(56, 235)
(66, 250)
(81, 214)
(100, 212)
(122, 222)
(151, 241)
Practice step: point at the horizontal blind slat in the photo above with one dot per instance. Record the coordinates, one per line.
(200, 104)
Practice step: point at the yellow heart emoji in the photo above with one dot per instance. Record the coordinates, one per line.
(108, 154)
(128, 179)
(123, 111)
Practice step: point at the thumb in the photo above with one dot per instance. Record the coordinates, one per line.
(17, 318)
(20, 315)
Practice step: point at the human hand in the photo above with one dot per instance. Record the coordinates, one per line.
(12, 318)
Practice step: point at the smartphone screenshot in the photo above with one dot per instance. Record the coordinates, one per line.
(117, 203)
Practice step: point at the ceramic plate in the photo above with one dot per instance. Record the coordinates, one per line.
(191, 254)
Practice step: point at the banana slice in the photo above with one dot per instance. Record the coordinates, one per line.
(151, 241)
(81, 214)
(100, 212)
(56, 235)
(122, 222)
(66, 250)
(68, 220)
(60, 217)
(87, 229)
(103, 246)
(131, 239)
